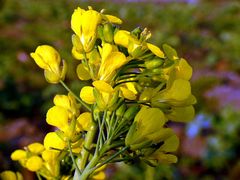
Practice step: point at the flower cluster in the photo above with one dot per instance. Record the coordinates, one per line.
(134, 89)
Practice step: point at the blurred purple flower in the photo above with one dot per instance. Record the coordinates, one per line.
(22, 56)
(200, 122)
(225, 95)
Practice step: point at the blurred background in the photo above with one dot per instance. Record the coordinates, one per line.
(205, 32)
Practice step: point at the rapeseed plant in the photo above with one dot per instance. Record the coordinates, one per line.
(135, 89)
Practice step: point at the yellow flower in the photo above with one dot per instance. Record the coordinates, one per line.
(146, 122)
(121, 37)
(52, 140)
(51, 162)
(136, 48)
(47, 58)
(102, 93)
(86, 94)
(34, 163)
(36, 148)
(111, 60)
(58, 116)
(180, 70)
(128, 94)
(84, 24)
(162, 155)
(18, 155)
(84, 121)
(49, 155)
(178, 92)
(67, 102)
(10, 175)
(183, 70)
(83, 73)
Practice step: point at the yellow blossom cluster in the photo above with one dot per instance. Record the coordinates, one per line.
(37, 158)
(134, 88)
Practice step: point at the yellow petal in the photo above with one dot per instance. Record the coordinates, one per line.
(18, 155)
(34, 163)
(180, 90)
(128, 94)
(75, 20)
(35, 148)
(170, 144)
(105, 51)
(147, 121)
(46, 57)
(49, 155)
(52, 140)
(183, 70)
(103, 86)
(58, 116)
(122, 38)
(86, 95)
(113, 62)
(155, 50)
(52, 77)
(161, 135)
(147, 94)
(62, 101)
(89, 23)
(99, 176)
(10, 175)
(76, 54)
(82, 72)
(131, 87)
(64, 69)
(113, 19)
(164, 158)
(181, 114)
(84, 121)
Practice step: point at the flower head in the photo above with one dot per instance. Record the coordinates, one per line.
(47, 58)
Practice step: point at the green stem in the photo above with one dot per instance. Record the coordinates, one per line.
(38, 176)
(100, 134)
(69, 90)
(91, 167)
(110, 158)
(87, 145)
(74, 162)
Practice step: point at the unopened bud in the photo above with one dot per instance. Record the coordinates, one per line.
(131, 112)
(120, 111)
(100, 32)
(114, 99)
(108, 33)
(154, 63)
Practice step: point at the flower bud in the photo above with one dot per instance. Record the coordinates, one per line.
(131, 113)
(34, 163)
(108, 33)
(154, 63)
(10, 175)
(120, 111)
